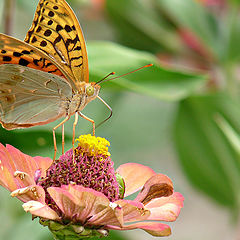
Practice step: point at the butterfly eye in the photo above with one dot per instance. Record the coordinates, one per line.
(90, 90)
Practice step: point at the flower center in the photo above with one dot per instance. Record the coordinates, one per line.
(91, 168)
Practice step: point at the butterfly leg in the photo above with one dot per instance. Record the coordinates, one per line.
(54, 136)
(63, 139)
(88, 119)
(74, 128)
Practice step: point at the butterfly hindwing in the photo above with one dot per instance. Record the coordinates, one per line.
(56, 31)
(30, 97)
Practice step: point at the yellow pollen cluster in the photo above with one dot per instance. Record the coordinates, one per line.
(93, 145)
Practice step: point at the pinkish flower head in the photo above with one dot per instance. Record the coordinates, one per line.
(82, 196)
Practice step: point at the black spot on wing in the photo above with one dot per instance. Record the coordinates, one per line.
(53, 71)
(50, 22)
(17, 54)
(36, 61)
(43, 43)
(47, 33)
(78, 48)
(26, 52)
(39, 29)
(23, 62)
(59, 28)
(7, 59)
(34, 39)
(58, 39)
(68, 28)
(51, 14)
(48, 64)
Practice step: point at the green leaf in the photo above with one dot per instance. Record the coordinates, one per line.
(191, 14)
(232, 37)
(230, 133)
(105, 57)
(206, 155)
(138, 25)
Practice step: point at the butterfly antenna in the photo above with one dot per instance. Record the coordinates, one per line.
(108, 108)
(110, 74)
(105, 79)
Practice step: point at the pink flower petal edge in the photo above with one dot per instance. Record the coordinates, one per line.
(38, 209)
(135, 175)
(154, 228)
(30, 193)
(12, 160)
(157, 186)
(165, 208)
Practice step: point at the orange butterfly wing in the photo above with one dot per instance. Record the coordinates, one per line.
(56, 31)
(14, 51)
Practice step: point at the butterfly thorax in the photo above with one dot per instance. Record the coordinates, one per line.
(86, 93)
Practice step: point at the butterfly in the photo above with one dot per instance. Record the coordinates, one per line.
(46, 77)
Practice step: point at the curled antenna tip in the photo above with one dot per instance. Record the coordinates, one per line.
(149, 65)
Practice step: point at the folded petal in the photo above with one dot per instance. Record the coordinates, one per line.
(176, 198)
(41, 210)
(135, 175)
(29, 193)
(77, 202)
(157, 186)
(113, 215)
(165, 208)
(133, 211)
(12, 160)
(7, 169)
(154, 228)
(22, 162)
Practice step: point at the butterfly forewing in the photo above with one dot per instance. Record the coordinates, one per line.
(56, 31)
(13, 51)
(30, 97)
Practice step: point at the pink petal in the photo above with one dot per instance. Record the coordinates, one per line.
(175, 198)
(165, 208)
(135, 175)
(66, 202)
(7, 169)
(154, 228)
(133, 211)
(157, 186)
(29, 193)
(92, 201)
(41, 210)
(22, 162)
(84, 204)
(78, 202)
(43, 164)
(12, 160)
(112, 215)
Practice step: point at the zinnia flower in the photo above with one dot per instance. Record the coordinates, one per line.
(82, 196)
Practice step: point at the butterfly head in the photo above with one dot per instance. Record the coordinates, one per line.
(91, 90)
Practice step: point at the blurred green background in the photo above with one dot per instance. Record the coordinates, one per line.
(180, 117)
